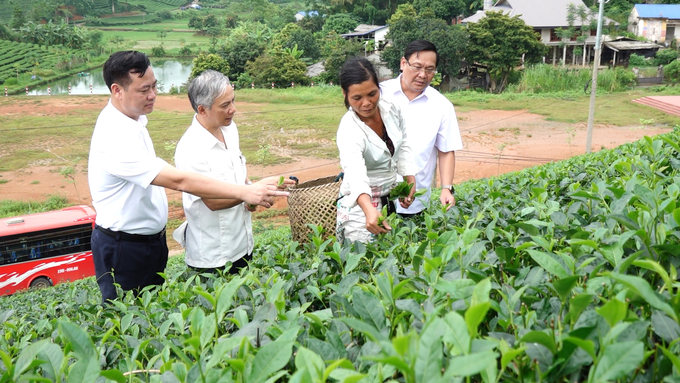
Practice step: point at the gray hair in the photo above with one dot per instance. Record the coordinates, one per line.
(206, 87)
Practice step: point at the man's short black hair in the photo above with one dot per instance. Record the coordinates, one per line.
(420, 46)
(120, 65)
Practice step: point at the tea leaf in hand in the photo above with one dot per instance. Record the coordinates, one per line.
(281, 179)
(401, 190)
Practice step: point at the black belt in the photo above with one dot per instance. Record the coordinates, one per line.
(130, 237)
(385, 201)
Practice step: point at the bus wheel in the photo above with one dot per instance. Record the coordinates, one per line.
(41, 283)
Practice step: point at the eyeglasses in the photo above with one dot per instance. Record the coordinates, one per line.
(418, 69)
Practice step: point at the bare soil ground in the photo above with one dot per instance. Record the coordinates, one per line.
(495, 141)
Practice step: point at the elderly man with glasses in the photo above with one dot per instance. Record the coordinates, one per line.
(431, 124)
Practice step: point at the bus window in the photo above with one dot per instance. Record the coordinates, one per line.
(48, 243)
(35, 251)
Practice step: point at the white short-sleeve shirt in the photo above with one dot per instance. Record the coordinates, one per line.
(431, 125)
(121, 167)
(212, 238)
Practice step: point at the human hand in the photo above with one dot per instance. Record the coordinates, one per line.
(447, 199)
(372, 218)
(262, 194)
(280, 182)
(406, 202)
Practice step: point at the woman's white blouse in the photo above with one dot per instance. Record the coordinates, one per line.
(364, 156)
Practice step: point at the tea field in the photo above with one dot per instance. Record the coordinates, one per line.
(23, 57)
(565, 272)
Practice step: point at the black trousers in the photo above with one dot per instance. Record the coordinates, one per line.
(235, 266)
(131, 261)
(410, 216)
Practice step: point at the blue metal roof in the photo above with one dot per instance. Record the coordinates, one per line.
(308, 13)
(666, 11)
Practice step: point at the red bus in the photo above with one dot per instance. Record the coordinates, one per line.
(44, 249)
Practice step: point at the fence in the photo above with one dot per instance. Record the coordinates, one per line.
(642, 79)
(178, 89)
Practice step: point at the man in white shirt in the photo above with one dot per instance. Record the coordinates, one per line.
(217, 231)
(126, 181)
(431, 123)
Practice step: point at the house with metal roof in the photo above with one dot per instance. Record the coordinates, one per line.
(547, 17)
(655, 22)
(365, 32)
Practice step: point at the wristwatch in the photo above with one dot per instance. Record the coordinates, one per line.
(450, 187)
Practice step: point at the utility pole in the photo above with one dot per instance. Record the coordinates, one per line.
(593, 88)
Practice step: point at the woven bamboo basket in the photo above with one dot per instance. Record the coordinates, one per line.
(313, 202)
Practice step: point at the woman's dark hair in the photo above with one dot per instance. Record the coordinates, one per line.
(420, 46)
(355, 71)
(120, 65)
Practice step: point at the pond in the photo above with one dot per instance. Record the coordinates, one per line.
(168, 73)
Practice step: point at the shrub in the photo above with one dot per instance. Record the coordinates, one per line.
(671, 71)
(158, 51)
(545, 78)
(279, 67)
(244, 80)
(11, 81)
(209, 61)
(185, 51)
(617, 79)
(164, 15)
(637, 60)
(665, 56)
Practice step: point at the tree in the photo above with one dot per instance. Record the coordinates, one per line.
(18, 18)
(279, 67)
(161, 35)
(582, 31)
(405, 27)
(340, 23)
(113, 4)
(5, 33)
(672, 71)
(116, 39)
(564, 34)
(210, 61)
(499, 42)
(403, 10)
(204, 23)
(472, 6)
(239, 49)
(443, 9)
(312, 23)
(293, 35)
(336, 51)
(164, 15)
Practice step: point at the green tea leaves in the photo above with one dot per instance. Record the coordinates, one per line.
(618, 360)
(549, 263)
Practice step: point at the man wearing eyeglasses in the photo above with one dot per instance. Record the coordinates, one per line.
(431, 124)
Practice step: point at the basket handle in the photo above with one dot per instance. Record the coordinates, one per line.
(297, 181)
(339, 177)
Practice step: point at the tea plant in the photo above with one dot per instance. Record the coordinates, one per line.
(564, 272)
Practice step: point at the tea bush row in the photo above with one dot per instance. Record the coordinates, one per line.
(563, 272)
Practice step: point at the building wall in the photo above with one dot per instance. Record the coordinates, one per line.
(545, 35)
(633, 22)
(380, 35)
(653, 29)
